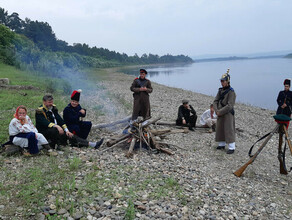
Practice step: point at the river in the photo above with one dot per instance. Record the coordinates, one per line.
(256, 81)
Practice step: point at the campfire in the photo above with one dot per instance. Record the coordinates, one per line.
(141, 133)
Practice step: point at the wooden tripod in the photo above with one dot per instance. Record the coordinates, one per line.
(282, 130)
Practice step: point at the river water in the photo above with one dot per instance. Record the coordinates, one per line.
(256, 81)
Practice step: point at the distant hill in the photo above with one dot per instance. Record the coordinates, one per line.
(220, 59)
(270, 54)
(288, 56)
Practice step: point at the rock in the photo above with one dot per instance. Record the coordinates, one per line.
(52, 206)
(52, 212)
(4, 81)
(40, 216)
(185, 209)
(77, 216)
(62, 211)
(107, 203)
(2, 206)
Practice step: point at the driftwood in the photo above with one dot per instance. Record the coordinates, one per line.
(157, 145)
(170, 123)
(112, 142)
(106, 125)
(131, 148)
(9, 150)
(140, 132)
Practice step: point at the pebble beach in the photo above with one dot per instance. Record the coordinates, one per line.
(197, 182)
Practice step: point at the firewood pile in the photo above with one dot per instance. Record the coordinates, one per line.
(141, 133)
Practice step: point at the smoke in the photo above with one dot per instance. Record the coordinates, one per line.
(101, 104)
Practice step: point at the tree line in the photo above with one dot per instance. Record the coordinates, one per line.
(34, 45)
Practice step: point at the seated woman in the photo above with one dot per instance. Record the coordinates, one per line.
(23, 133)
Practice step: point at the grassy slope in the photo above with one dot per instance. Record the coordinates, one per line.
(11, 98)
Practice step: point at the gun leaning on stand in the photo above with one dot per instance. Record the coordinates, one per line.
(281, 128)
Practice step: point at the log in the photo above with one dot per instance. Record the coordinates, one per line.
(100, 152)
(160, 131)
(112, 142)
(131, 148)
(149, 122)
(157, 145)
(170, 123)
(106, 125)
(169, 131)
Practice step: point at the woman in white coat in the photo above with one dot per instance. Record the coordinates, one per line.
(23, 133)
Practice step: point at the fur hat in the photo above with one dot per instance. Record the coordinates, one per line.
(76, 95)
(287, 82)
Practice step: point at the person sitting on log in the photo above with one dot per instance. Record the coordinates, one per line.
(141, 88)
(72, 114)
(284, 100)
(23, 133)
(53, 127)
(184, 117)
(209, 118)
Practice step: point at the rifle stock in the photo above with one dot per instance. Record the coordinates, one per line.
(239, 172)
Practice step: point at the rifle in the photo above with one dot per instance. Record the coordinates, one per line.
(239, 172)
(281, 155)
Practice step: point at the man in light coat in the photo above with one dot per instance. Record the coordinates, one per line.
(224, 109)
(209, 118)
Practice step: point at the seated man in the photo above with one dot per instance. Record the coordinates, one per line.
(184, 117)
(72, 114)
(52, 126)
(209, 118)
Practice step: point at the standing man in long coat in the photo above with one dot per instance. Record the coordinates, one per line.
(224, 108)
(141, 88)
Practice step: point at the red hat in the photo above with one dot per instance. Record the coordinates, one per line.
(287, 82)
(76, 95)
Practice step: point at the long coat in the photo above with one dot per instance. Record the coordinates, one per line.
(225, 128)
(141, 106)
(284, 97)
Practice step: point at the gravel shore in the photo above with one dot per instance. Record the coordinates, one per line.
(197, 182)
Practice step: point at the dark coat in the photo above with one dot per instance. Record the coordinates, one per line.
(284, 97)
(141, 106)
(44, 118)
(225, 128)
(184, 113)
(72, 117)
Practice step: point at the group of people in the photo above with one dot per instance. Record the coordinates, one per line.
(221, 112)
(51, 130)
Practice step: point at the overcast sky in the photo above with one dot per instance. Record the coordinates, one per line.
(190, 27)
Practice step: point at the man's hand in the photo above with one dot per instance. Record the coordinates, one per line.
(284, 105)
(143, 89)
(69, 134)
(82, 111)
(61, 131)
(184, 121)
(217, 113)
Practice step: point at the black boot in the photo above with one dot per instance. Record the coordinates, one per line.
(99, 143)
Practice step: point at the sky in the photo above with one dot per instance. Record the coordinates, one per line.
(189, 27)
